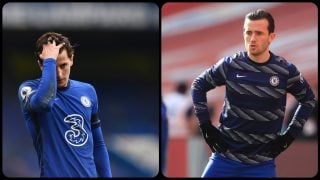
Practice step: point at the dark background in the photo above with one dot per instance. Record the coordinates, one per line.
(122, 64)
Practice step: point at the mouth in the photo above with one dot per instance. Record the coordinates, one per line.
(252, 46)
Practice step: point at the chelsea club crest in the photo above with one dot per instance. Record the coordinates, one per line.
(85, 101)
(274, 80)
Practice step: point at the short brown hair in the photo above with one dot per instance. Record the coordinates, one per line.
(262, 14)
(59, 38)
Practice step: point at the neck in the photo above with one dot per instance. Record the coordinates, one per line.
(65, 86)
(260, 58)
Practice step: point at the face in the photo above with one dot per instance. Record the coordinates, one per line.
(256, 37)
(64, 64)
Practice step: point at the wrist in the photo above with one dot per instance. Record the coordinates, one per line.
(206, 125)
(49, 59)
(288, 137)
(209, 128)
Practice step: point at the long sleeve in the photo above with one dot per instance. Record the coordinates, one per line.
(301, 90)
(206, 81)
(100, 153)
(38, 99)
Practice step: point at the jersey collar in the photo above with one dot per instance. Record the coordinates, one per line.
(65, 88)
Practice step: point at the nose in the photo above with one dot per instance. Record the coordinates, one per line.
(59, 73)
(253, 38)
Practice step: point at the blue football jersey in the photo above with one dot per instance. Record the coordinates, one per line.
(62, 132)
(254, 104)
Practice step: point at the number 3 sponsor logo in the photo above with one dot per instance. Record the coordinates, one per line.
(77, 135)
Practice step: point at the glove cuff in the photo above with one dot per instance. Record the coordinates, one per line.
(205, 124)
(288, 138)
(208, 127)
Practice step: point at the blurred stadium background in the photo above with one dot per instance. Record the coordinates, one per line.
(195, 35)
(117, 52)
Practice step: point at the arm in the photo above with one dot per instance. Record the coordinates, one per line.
(47, 87)
(208, 80)
(100, 152)
(300, 89)
(40, 99)
(33, 97)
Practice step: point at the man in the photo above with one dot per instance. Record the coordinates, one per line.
(62, 115)
(249, 137)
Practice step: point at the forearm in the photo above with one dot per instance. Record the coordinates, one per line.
(199, 90)
(301, 115)
(47, 87)
(100, 153)
(300, 89)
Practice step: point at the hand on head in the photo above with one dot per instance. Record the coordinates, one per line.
(50, 50)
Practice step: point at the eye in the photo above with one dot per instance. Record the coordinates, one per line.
(248, 33)
(62, 66)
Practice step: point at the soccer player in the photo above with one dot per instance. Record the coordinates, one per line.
(249, 136)
(62, 115)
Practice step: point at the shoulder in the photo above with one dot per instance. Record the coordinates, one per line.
(33, 82)
(28, 87)
(82, 85)
(239, 56)
(281, 60)
(232, 60)
(29, 84)
(284, 63)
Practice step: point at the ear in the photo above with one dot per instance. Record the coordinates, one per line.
(272, 36)
(40, 65)
(71, 59)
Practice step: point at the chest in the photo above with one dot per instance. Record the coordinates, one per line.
(271, 76)
(74, 102)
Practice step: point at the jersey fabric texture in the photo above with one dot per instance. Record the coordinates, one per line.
(254, 104)
(220, 166)
(61, 123)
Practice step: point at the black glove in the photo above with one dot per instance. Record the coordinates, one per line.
(278, 145)
(213, 137)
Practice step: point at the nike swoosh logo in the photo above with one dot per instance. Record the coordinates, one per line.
(239, 76)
